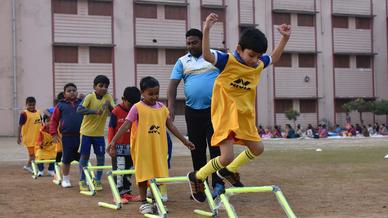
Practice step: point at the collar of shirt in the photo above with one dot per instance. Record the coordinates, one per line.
(238, 57)
(192, 56)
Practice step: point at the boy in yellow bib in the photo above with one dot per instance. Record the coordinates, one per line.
(233, 103)
(148, 121)
(30, 123)
(46, 149)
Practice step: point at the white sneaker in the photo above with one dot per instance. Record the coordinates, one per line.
(40, 173)
(28, 169)
(164, 198)
(66, 184)
(51, 173)
(147, 208)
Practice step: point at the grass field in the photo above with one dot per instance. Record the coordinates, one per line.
(345, 179)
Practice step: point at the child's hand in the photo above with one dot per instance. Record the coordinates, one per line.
(99, 111)
(211, 19)
(285, 30)
(189, 144)
(111, 150)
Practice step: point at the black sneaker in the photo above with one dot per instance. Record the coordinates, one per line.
(232, 178)
(197, 188)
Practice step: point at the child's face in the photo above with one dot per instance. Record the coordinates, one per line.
(250, 57)
(101, 89)
(71, 93)
(31, 106)
(126, 102)
(150, 95)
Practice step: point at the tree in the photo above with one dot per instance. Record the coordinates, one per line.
(292, 115)
(359, 105)
(380, 107)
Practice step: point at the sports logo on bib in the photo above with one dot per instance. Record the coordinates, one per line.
(241, 84)
(154, 129)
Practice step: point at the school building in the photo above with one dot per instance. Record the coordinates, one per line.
(337, 51)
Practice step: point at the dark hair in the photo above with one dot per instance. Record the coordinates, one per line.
(71, 85)
(148, 82)
(253, 39)
(194, 32)
(132, 94)
(60, 96)
(101, 79)
(30, 100)
(46, 118)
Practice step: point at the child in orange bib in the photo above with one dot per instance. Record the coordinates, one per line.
(233, 103)
(147, 121)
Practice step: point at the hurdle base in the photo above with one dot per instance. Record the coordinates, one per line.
(87, 193)
(109, 206)
(57, 182)
(204, 213)
(153, 216)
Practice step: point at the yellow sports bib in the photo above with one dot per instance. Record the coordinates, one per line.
(30, 129)
(233, 102)
(149, 143)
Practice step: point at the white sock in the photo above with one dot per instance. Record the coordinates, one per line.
(66, 178)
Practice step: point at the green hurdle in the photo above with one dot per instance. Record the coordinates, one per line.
(34, 165)
(237, 190)
(89, 175)
(158, 198)
(115, 192)
(180, 179)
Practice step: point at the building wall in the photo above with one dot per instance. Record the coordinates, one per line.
(38, 31)
(7, 110)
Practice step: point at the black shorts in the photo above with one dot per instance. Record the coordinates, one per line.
(70, 146)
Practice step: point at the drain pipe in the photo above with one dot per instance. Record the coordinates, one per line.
(14, 93)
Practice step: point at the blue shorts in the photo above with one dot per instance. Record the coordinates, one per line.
(98, 143)
(70, 146)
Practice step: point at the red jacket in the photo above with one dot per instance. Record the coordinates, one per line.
(117, 118)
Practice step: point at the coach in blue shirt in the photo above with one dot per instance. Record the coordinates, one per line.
(198, 76)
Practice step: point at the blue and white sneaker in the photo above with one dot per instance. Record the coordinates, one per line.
(218, 189)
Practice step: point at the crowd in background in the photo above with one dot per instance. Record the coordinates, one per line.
(322, 131)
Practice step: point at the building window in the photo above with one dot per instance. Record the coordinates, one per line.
(280, 18)
(284, 61)
(306, 60)
(102, 8)
(64, 6)
(206, 11)
(175, 12)
(306, 20)
(281, 106)
(172, 55)
(65, 54)
(100, 55)
(339, 105)
(145, 11)
(308, 105)
(341, 61)
(146, 56)
(340, 22)
(363, 61)
(363, 23)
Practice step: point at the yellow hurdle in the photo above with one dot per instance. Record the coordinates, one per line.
(113, 188)
(236, 190)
